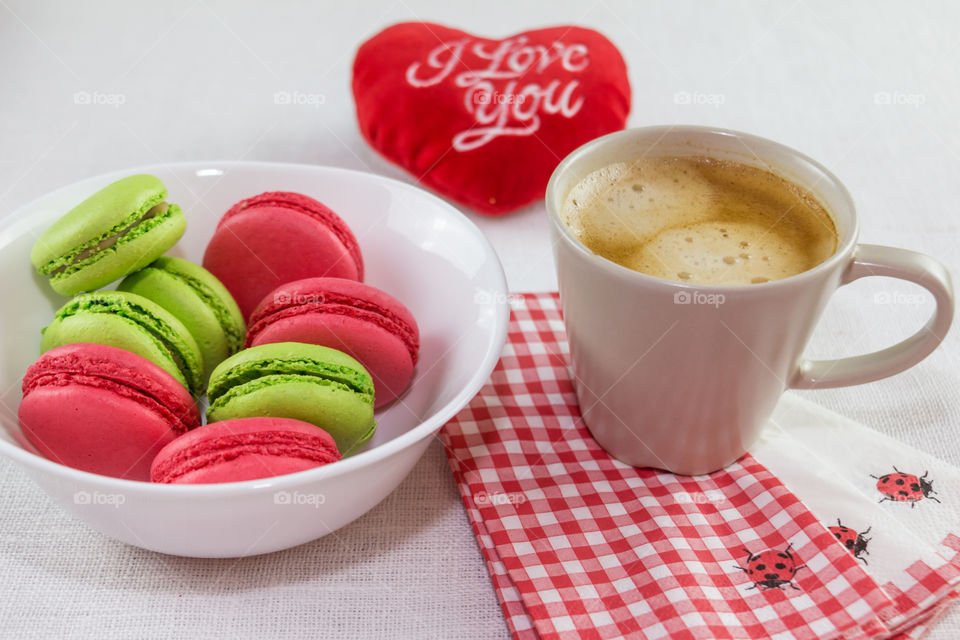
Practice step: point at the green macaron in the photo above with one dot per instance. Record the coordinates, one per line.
(319, 385)
(128, 321)
(197, 299)
(119, 229)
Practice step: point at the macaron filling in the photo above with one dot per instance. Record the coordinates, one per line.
(339, 304)
(158, 331)
(213, 451)
(93, 250)
(251, 376)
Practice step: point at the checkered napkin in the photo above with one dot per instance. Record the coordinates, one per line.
(579, 545)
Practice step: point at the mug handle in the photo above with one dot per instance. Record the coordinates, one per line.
(874, 260)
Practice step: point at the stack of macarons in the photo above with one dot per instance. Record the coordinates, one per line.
(118, 387)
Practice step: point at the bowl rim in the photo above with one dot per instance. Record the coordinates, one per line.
(13, 225)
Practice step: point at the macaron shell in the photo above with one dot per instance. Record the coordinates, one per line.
(211, 318)
(384, 355)
(341, 413)
(244, 449)
(315, 291)
(132, 252)
(261, 248)
(249, 466)
(214, 293)
(94, 430)
(305, 205)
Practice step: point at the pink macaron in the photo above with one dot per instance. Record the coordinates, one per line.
(244, 449)
(102, 409)
(347, 315)
(278, 237)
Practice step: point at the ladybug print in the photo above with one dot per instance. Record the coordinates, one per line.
(905, 487)
(855, 542)
(771, 569)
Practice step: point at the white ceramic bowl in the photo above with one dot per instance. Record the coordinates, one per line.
(415, 246)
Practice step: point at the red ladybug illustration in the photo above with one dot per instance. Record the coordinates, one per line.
(905, 487)
(771, 569)
(855, 542)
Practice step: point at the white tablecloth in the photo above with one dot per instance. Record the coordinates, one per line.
(868, 88)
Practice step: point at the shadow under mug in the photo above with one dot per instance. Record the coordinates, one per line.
(683, 377)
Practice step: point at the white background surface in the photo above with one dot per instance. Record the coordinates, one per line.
(197, 80)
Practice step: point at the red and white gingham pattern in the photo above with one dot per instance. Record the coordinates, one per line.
(580, 545)
(921, 595)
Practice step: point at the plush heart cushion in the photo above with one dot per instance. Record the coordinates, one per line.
(485, 122)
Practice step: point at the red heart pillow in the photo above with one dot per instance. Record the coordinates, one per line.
(485, 122)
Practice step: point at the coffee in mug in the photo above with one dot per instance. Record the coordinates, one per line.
(700, 220)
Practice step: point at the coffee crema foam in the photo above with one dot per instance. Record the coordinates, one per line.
(700, 220)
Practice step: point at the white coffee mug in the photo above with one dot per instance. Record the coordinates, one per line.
(683, 377)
